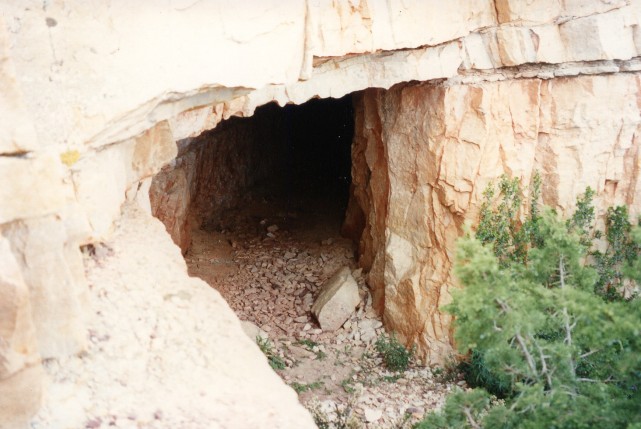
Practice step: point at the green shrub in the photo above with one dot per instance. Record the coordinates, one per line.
(541, 316)
(275, 361)
(621, 251)
(395, 356)
(478, 374)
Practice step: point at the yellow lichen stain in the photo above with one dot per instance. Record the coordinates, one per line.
(70, 157)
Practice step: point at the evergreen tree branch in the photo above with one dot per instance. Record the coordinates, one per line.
(544, 366)
(470, 418)
(528, 356)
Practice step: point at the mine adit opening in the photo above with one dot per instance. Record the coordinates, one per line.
(265, 198)
(294, 160)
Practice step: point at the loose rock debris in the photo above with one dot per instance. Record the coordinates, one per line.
(270, 269)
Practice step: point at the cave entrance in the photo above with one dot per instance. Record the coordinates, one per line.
(268, 196)
(261, 201)
(295, 161)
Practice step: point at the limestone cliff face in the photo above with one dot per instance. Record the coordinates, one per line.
(424, 153)
(95, 95)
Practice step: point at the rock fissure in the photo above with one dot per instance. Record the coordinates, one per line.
(17, 154)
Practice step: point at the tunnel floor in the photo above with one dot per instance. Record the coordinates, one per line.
(265, 252)
(268, 259)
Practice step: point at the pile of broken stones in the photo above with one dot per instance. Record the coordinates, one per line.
(304, 297)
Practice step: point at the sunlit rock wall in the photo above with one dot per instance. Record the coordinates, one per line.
(96, 93)
(424, 154)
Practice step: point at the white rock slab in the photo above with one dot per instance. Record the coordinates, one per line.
(337, 300)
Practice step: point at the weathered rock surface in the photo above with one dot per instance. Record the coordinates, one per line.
(95, 94)
(424, 153)
(170, 200)
(337, 300)
(20, 394)
(215, 169)
(115, 170)
(52, 267)
(19, 348)
(39, 193)
(157, 356)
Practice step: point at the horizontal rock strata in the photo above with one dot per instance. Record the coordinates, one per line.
(95, 95)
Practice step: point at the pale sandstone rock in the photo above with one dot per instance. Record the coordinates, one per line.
(97, 65)
(114, 170)
(337, 300)
(105, 170)
(543, 11)
(536, 11)
(517, 45)
(20, 397)
(18, 346)
(153, 149)
(165, 349)
(355, 27)
(99, 54)
(604, 36)
(51, 265)
(34, 186)
(615, 32)
(20, 370)
(373, 415)
(93, 75)
(609, 35)
(17, 134)
(139, 193)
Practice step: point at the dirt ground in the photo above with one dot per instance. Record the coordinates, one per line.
(268, 260)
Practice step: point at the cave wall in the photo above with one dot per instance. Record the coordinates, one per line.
(95, 95)
(425, 153)
(213, 171)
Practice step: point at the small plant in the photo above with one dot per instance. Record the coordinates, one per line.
(313, 347)
(342, 417)
(500, 226)
(402, 422)
(395, 356)
(450, 372)
(347, 384)
(265, 346)
(301, 387)
(621, 252)
(307, 343)
(320, 417)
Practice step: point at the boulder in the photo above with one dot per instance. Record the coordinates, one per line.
(337, 300)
